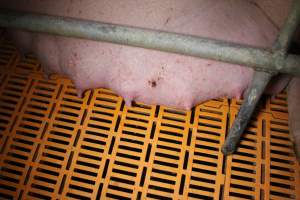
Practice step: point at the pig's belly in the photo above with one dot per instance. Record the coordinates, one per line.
(153, 77)
(150, 76)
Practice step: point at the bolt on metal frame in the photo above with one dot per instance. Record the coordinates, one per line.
(266, 62)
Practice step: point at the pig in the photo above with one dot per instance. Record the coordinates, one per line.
(146, 75)
(294, 110)
(150, 76)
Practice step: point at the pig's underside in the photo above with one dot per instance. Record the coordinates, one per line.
(146, 75)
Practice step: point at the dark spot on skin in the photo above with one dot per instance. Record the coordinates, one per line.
(152, 83)
(167, 21)
(208, 64)
(254, 3)
(75, 55)
(79, 12)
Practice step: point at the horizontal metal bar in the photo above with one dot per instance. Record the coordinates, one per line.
(164, 41)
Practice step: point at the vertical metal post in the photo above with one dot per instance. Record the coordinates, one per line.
(257, 87)
(285, 36)
(260, 81)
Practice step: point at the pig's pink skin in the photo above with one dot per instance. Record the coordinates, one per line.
(275, 10)
(294, 110)
(146, 75)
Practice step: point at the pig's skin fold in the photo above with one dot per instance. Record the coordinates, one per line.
(294, 112)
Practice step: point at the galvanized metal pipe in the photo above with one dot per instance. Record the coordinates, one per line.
(286, 34)
(260, 81)
(254, 93)
(164, 41)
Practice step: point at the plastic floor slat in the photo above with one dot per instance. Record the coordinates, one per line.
(55, 145)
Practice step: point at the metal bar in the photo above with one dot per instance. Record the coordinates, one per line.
(243, 55)
(285, 37)
(254, 92)
(260, 81)
(286, 34)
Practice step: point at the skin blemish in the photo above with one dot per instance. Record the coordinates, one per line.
(152, 83)
(167, 21)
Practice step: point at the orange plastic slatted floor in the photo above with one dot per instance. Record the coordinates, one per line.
(57, 146)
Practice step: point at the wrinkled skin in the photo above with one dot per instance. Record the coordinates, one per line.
(156, 77)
